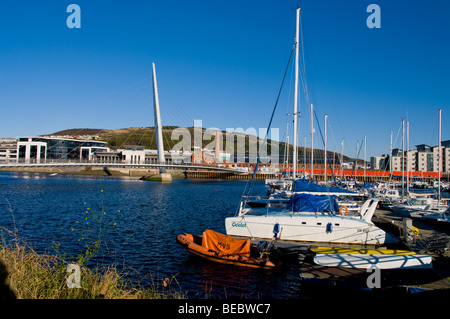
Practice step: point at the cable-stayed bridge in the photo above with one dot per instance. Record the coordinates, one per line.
(72, 163)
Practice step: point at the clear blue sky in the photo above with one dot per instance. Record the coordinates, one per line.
(222, 62)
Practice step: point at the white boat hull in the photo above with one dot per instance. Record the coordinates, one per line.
(364, 261)
(308, 227)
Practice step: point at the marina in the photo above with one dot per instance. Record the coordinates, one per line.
(234, 214)
(149, 218)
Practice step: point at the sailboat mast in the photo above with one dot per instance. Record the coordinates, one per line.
(325, 166)
(403, 157)
(390, 160)
(439, 158)
(365, 142)
(342, 159)
(294, 155)
(312, 141)
(407, 157)
(286, 150)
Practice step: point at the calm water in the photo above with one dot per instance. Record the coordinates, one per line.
(148, 217)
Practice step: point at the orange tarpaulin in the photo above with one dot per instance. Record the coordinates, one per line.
(225, 244)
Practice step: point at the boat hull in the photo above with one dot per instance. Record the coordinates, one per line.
(309, 227)
(191, 243)
(366, 261)
(354, 251)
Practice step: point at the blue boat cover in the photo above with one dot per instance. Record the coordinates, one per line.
(307, 186)
(367, 185)
(313, 203)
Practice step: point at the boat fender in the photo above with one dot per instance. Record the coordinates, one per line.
(415, 232)
(329, 228)
(276, 230)
(343, 210)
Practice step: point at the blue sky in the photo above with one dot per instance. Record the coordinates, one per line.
(222, 62)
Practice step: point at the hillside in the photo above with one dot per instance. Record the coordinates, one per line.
(145, 136)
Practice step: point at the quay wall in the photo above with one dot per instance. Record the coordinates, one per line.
(370, 176)
(94, 171)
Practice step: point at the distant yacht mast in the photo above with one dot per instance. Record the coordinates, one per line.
(294, 155)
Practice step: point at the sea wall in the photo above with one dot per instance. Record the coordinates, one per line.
(95, 171)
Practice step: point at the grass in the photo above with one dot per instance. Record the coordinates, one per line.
(26, 274)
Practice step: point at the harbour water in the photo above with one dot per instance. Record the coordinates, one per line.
(138, 222)
(142, 220)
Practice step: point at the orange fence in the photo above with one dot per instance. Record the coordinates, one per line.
(348, 173)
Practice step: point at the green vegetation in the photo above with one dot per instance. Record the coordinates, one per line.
(145, 137)
(25, 274)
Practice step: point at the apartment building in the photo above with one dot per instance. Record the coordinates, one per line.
(424, 158)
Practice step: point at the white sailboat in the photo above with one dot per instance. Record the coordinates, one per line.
(308, 224)
(307, 217)
(419, 207)
(415, 205)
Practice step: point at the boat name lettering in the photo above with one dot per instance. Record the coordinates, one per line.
(223, 245)
(237, 224)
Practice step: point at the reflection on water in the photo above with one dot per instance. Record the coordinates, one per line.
(148, 218)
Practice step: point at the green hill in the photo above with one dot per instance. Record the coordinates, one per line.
(145, 137)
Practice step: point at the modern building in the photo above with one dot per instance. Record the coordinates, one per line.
(379, 162)
(424, 158)
(8, 154)
(42, 149)
(8, 150)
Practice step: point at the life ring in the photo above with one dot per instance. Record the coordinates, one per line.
(343, 210)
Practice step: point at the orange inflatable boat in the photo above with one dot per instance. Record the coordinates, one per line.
(225, 249)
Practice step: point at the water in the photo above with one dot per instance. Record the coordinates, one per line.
(148, 216)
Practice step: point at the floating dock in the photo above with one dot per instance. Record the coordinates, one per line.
(429, 241)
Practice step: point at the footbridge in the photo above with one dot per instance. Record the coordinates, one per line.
(68, 164)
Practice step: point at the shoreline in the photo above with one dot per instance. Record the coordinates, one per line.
(137, 173)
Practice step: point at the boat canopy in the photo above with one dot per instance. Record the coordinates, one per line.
(301, 185)
(313, 203)
(215, 241)
(368, 185)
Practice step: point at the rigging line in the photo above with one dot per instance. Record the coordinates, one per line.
(143, 135)
(323, 141)
(398, 133)
(129, 136)
(334, 152)
(356, 159)
(119, 90)
(271, 117)
(332, 135)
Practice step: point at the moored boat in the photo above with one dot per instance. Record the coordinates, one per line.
(310, 218)
(354, 251)
(366, 261)
(225, 249)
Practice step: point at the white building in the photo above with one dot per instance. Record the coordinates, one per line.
(41, 149)
(8, 154)
(423, 159)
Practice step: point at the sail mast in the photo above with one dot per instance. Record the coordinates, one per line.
(325, 161)
(294, 157)
(439, 157)
(312, 141)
